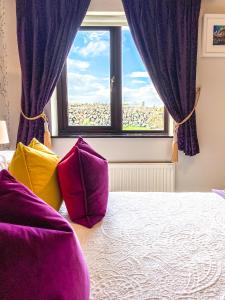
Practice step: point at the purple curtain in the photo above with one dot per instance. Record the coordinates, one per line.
(45, 32)
(166, 34)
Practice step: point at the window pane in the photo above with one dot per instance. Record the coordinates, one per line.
(142, 106)
(88, 79)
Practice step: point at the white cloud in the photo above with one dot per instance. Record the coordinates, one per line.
(135, 81)
(74, 49)
(86, 88)
(139, 75)
(138, 95)
(94, 48)
(97, 35)
(77, 65)
(96, 43)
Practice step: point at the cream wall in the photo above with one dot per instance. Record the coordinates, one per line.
(200, 173)
(4, 109)
(13, 69)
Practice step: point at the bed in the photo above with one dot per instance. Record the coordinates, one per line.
(5, 158)
(157, 246)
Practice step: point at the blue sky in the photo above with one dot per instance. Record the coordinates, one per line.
(88, 71)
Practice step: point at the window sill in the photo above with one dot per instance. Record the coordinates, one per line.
(114, 135)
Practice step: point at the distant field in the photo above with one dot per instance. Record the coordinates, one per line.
(134, 128)
(134, 117)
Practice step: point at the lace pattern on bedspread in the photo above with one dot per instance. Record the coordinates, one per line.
(157, 246)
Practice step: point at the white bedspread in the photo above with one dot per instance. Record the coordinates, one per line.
(5, 158)
(157, 246)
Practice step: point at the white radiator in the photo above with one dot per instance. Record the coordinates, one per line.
(142, 177)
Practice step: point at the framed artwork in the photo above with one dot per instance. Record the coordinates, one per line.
(213, 44)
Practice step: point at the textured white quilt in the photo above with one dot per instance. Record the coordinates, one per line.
(157, 246)
(5, 158)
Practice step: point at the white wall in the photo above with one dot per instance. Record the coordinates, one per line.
(199, 173)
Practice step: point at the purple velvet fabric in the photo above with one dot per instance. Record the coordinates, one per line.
(95, 182)
(94, 173)
(45, 32)
(83, 179)
(40, 256)
(166, 35)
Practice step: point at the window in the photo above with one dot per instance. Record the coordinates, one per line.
(104, 88)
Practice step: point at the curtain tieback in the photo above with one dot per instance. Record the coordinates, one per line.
(178, 124)
(47, 135)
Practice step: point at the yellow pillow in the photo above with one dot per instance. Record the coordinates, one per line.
(35, 166)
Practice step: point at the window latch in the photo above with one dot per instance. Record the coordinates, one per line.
(112, 81)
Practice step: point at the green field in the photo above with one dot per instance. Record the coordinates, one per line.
(133, 128)
(134, 118)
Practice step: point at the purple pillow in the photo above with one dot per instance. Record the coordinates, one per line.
(83, 179)
(40, 256)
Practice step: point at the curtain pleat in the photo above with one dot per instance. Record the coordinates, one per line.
(166, 35)
(45, 32)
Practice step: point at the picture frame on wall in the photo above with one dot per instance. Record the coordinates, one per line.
(213, 44)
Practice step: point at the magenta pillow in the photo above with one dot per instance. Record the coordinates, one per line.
(83, 180)
(40, 256)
